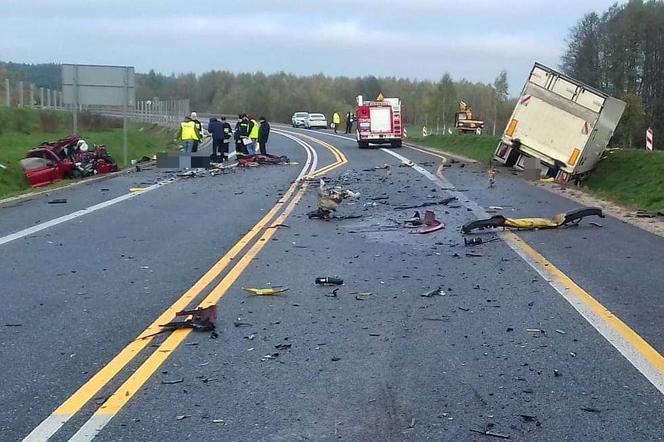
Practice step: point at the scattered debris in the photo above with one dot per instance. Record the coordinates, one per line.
(528, 418)
(431, 224)
(406, 163)
(562, 332)
(535, 330)
(573, 218)
(329, 280)
(182, 417)
(266, 292)
(218, 421)
(58, 201)
(335, 359)
(491, 433)
(202, 319)
(591, 410)
(593, 223)
(333, 294)
(444, 202)
(174, 381)
(283, 346)
(435, 292)
(260, 159)
(242, 324)
(474, 255)
(470, 242)
(556, 373)
(464, 309)
(13, 325)
(329, 200)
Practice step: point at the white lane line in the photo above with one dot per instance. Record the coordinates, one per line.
(63, 219)
(443, 183)
(312, 155)
(609, 333)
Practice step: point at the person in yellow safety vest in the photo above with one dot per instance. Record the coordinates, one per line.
(336, 121)
(188, 134)
(253, 134)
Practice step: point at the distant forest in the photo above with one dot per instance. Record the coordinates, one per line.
(619, 51)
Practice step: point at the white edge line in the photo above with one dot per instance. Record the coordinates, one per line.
(54, 222)
(637, 360)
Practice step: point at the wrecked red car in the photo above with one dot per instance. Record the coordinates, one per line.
(65, 158)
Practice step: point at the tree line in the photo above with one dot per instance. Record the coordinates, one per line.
(279, 95)
(621, 52)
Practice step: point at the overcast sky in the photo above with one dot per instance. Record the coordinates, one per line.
(407, 38)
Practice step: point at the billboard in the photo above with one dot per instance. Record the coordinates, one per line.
(95, 85)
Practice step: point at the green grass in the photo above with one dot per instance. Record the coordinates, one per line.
(142, 140)
(476, 147)
(631, 176)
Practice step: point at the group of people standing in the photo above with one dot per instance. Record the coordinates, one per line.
(336, 121)
(249, 135)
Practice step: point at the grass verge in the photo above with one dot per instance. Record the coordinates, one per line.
(476, 147)
(143, 140)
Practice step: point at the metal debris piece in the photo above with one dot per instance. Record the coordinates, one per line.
(470, 242)
(329, 200)
(491, 433)
(431, 224)
(271, 291)
(435, 292)
(562, 332)
(58, 201)
(174, 381)
(591, 409)
(182, 417)
(242, 324)
(283, 346)
(329, 280)
(444, 202)
(202, 319)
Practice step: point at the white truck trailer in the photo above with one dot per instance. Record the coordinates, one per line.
(560, 121)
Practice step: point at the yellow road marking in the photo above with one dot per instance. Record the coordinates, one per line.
(125, 392)
(86, 392)
(640, 345)
(338, 155)
(129, 388)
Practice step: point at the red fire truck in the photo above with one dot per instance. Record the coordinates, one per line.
(379, 122)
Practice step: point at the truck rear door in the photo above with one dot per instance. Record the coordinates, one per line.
(381, 119)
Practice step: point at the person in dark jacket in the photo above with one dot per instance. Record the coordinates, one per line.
(217, 133)
(349, 122)
(199, 131)
(228, 133)
(263, 135)
(241, 131)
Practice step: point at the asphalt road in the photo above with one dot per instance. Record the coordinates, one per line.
(373, 360)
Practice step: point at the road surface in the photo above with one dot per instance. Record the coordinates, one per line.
(544, 335)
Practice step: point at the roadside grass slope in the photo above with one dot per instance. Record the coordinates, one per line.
(22, 129)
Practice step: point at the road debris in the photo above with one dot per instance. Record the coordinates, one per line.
(218, 421)
(242, 324)
(431, 224)
(271, 291)
(202, 319)
(329, 280)
(591, 410)
(474, 255)
(562, 332)
(491, 433)
(329, 200)
(435, 292)
(570, 218)
(470, 242)
(182, 417)
(174, 381)
(443, 202)
(283, 346)
(137, 189)
(58, 201)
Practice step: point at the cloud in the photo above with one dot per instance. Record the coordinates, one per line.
(412, 38)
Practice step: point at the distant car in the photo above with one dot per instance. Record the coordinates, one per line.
(298, 119)
(315, 120)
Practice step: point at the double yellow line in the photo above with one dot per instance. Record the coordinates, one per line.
(128, 389)
(339, 157)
